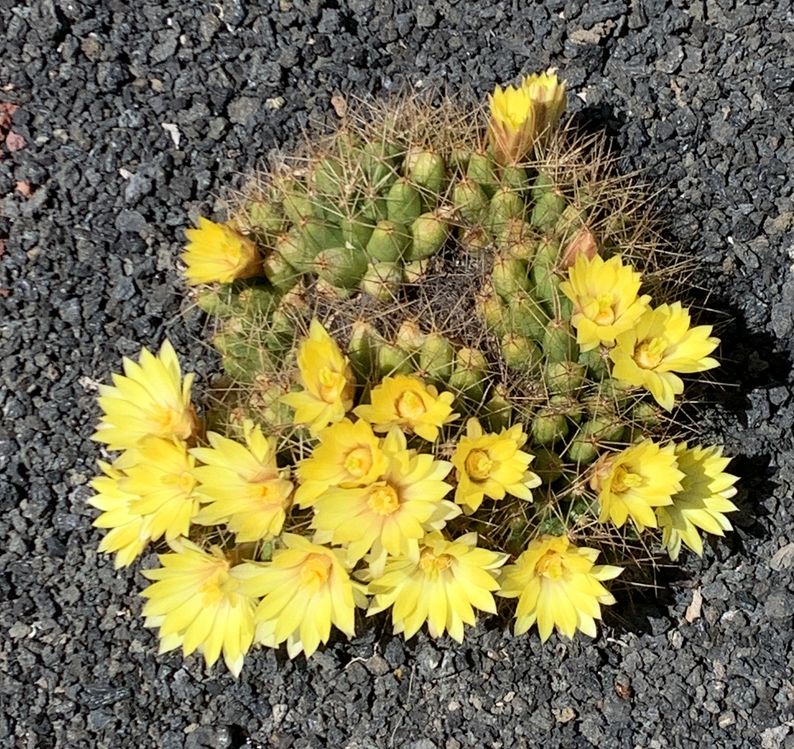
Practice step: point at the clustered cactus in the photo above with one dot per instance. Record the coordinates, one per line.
(428, 302)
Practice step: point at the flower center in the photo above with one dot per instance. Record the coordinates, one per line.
(549, 565)
(410, 406)
(623, 480)
(358, 462)
(649, 354)
(331, 384)
(605, 315)
(383, 499)
(172, 421)
(478, 465)
(433, 565)
(315, 570)
(184, 481)
(268, 494)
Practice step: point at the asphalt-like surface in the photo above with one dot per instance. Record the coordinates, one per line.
(134, 121)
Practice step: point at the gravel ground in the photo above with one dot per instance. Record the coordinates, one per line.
(130, 123)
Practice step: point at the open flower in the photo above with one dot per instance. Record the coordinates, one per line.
(547, 96)
(605, 299)
(129, 532)
(406, 401)
(307, 589)
(327, 381)
(662, 343)
(218, 253)
(632, 483)
(243, 484)
(149, 399)
(557, 585)
(347, 455)
(441, 582)
(162, 473)
(702, 502)
(198, 603)
(492, 465)
(392, 514)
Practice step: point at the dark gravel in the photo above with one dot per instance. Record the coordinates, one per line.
(134, 120)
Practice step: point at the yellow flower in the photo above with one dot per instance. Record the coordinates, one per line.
(662, 343)
(163, 476)
(129, 532)
(198, 603)
(217, 253)
(702, 501)
(605, 301)
(327, 381)
(492, 465)
(511, 127)
(521, 116)
(631, 483)
(149, 399)
(547, 94)
(243, 484)
(390, 515)
(440, 583)
(406, 401)
(306, 588)
(557, 585)
(348, 454)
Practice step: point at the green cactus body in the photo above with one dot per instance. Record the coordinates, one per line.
(515, 178)
(482, 170)
(362, 349)
(257, 302)
(357, 230)
(559, 342)
(526, 316)
(297, 203)
(436, 358)
(404, 202)
(380, 161)
(491, 311)
(646, 414)
(470, 201)
(319, 235)
(328, 178)
(517, 240)
(393, 360)
(265, 218)
(342, 267)
(541, 185)
(520, 353)
(569, 222)
(547, 464)
(459, 160)
(409, 337)
(585, 447)
(469, 375)
(498, 410)
(429, 233)
(279, 272)
(549, 426)
(382, 280)
(221, 301)
(596, 363)
(505, 205)
(564, 376)
(509, 276)
(547, 210)
(415, 271)
(388, 242)
(425, 169)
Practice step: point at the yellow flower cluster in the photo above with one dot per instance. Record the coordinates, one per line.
(647, 346)
(674, 487)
